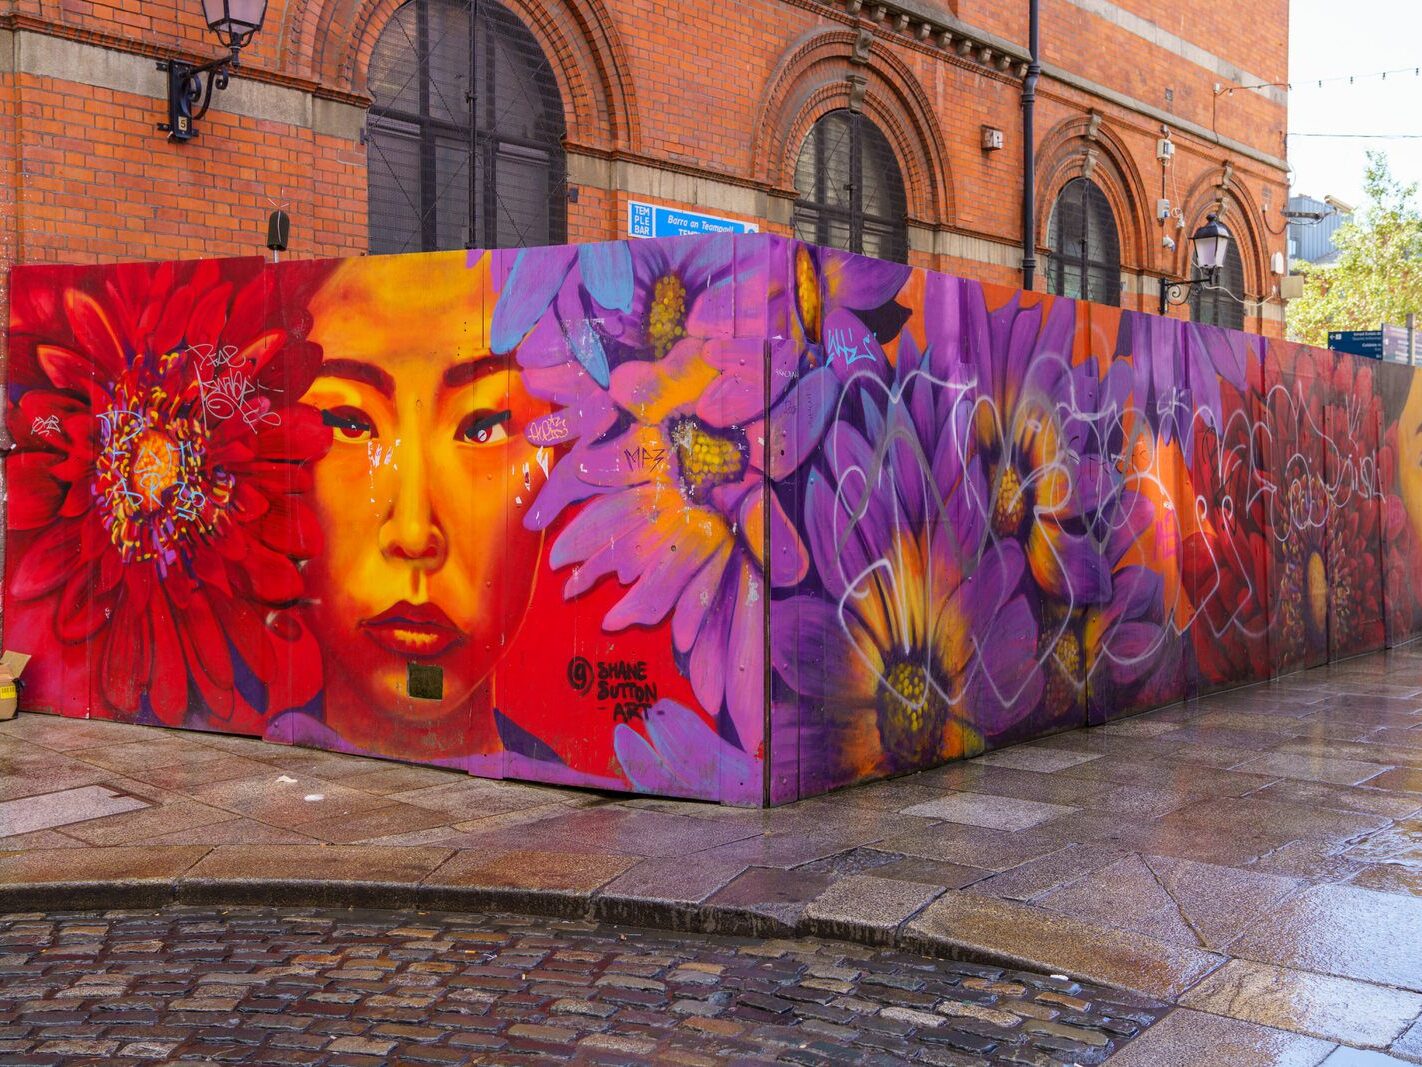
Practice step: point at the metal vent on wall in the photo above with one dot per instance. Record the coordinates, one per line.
(851, 192)
(437, 67)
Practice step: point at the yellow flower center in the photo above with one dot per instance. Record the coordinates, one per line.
(807, 293)
(706, 458)
(666, 318)
(1316, 591)
(911, 715)
(155, 467)
(1067, 655)
(1010, 506)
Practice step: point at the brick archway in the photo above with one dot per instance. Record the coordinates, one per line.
(335, 38)
(812, 78)
(1084, 147)
(1239, 212)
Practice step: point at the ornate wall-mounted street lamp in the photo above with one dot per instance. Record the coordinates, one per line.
(1211, 243)
(234, 22)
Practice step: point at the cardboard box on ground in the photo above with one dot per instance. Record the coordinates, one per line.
(12, 665)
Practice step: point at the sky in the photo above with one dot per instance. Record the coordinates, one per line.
(1330, 39)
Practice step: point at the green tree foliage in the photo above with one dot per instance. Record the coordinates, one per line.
(1378, 276)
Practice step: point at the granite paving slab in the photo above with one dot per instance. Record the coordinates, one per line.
(971, 846)
(1353, 1057)
(1313, 768)
(1034, 758)
(1186, 1038)
(864, 907)
(317, 863)
(1036, 877)
(148, 822)
(1171, 899)
(286, 800)
(1393, 804)
(43, 771)
(1336, 1009)
(975, 776)
(1031, 936)
(1343, 930)
(981, 809)
(530, 869)
(28, 868)
(48, 810)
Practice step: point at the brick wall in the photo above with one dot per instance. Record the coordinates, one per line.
(678, 102)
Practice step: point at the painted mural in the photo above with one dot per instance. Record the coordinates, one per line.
(733, 518)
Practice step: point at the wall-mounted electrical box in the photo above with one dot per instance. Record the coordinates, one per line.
(992, 139)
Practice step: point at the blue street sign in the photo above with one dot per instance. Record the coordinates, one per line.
(1358, 342)
(654, 220)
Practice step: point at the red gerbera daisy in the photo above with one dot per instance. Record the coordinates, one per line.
(157, 513)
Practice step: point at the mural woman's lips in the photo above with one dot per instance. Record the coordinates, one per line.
(415, 630)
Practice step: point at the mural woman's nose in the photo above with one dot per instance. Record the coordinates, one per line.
(412, 530)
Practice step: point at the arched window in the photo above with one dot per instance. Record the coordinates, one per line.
(426, 126)
(1222, 304)
(851, 194)
(1085, 258)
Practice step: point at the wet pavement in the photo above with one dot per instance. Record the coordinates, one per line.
(1254, 857)
(288, 986)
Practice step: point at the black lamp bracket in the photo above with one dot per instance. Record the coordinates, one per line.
(186, 89)
(1178, 292)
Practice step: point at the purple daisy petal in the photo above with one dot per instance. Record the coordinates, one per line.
(660, 583)
(606, 270)
(812, 652)
(789, 562)
(708, 653)
(695, 600)
(1008, 684)
(535, 279)
(796, 425)
(860, 282)
(644, 768)
(745, 660)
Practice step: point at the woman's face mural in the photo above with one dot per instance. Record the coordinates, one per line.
(813, 520)
(428, 570)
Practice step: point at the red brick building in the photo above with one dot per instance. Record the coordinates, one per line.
(855, 123)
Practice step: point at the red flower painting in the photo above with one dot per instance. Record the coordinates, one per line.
(157, 517)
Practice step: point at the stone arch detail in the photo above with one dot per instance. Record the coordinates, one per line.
(579, 37)
(1085, 147)
(1240, 213)
(812, 78)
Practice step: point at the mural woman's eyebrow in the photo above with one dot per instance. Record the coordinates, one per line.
(471, 370)
(356, 370)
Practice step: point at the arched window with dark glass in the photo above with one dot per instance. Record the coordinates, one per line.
(1221, 304)
(1085, 258)
(851, 193)
(467, 123)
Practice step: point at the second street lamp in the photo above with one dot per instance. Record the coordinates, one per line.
(1211, 243)
(234, 22)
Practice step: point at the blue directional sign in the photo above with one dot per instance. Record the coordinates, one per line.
(655, 220)
(1359, 342)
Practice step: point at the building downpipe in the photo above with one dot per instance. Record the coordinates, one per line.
(1029, 151)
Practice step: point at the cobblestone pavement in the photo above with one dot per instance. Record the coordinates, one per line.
(295, 986)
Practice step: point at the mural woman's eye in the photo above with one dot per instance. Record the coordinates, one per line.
(483, 427)
(349, 424)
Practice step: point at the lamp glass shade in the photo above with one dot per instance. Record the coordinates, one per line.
(1211, 244)
(234, 19)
